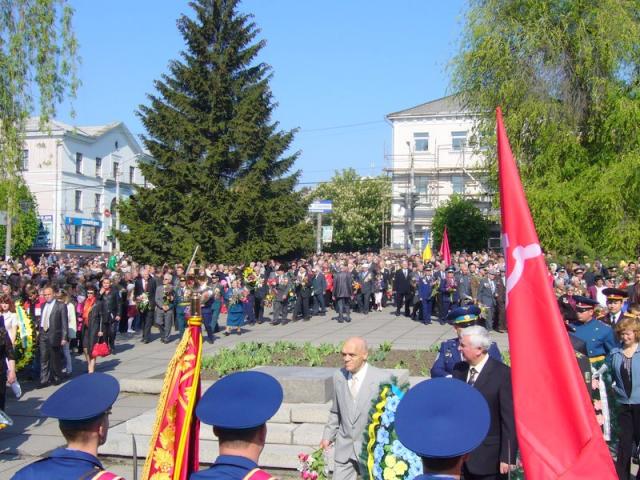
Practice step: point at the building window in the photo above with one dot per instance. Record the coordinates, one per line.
(79, 163)
(98, 167)
(457, 184)
(78, 203)
(421, 141)
(90, 236)
(132, 174)
(458, 140)
(115, 170)
(97, 202)
(422, 188)
(24, 161)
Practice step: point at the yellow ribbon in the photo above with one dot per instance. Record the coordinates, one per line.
(375, 421)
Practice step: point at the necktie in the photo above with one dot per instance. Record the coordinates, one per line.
(353, 388)
(472, 377)
(45, 316)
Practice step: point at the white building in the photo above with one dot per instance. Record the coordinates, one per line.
(76, 175)
(435, 142)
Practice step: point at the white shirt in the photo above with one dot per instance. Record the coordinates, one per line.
(359, 377)
(478, 367)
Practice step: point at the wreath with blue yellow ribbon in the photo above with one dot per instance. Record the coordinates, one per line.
(25, 338)
(383, 456)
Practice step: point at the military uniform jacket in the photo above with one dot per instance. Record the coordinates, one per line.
(62, 464)
(226, 467)
(449, 356)
(598, 336)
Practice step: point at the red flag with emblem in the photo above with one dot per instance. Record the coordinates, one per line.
(558, 433)
(445, 253)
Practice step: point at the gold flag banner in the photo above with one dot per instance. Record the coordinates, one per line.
(173, 451)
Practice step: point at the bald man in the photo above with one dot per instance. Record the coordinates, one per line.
(354, 387)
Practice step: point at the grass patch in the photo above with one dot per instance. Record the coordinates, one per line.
(252, 354)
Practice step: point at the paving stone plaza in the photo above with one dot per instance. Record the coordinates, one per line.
(139, 368)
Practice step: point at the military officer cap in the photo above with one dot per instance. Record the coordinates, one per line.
(464, 316)
(615, 294)
(83, 399)
(442, 418)
(585, 303)
(450, 269)
(240, 400)
(578, 270)
(428, 266)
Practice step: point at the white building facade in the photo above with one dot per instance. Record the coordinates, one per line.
(433, 157)
(76, 175)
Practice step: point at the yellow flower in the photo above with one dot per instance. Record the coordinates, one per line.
(400, 468)
(389, 474)
(390, 460)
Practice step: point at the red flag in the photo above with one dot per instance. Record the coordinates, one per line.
(174, 448)
(557, 429)
(445, 253)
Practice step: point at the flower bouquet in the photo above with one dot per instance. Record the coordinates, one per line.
(250, 277)
(314, 466)
(143, 302)
(383, 456)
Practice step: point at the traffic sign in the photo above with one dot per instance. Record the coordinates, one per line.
(321, 206)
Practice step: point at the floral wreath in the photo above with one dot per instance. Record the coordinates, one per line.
(383, 456)
(25, 341)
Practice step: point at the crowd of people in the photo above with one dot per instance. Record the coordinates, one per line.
(54, 307)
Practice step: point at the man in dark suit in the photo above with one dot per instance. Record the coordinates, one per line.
(365, 279)
(146, 284)
(342, 289)
(110, 301)
(319, 284)
(496, 455)
(52, 336)
(402, 287)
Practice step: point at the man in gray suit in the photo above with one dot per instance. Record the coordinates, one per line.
(354, 387)
(53, 334)
(487, 297)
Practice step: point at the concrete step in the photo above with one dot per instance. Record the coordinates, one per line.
(275, 455)
(277, 433)
(315, 413)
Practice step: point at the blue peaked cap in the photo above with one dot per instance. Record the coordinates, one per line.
(240, 400)
(83, 398)
(442, 418)
(464, 314)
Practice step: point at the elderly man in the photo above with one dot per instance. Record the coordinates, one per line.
(449, 353)
(496, 455)
(354, 387)
(53, 334)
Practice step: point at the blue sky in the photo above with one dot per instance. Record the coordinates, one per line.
(339, 66)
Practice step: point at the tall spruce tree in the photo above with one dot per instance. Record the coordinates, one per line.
(219, 178)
